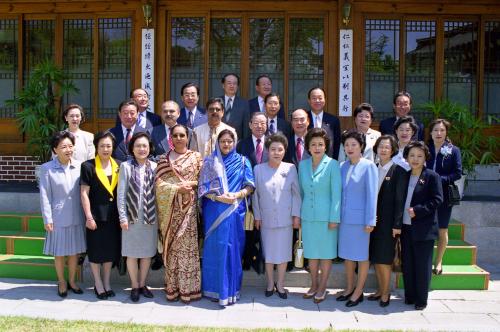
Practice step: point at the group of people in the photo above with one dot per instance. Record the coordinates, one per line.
(181, 185)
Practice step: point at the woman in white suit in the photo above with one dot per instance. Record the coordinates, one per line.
(359, 214)
(61, 210)
(276, 206)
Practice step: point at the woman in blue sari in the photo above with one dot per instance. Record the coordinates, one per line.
(225, 180)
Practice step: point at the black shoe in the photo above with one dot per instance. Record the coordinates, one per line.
(100, 296)
(384, 304)
(269, 293)
(146, 292)
(373, 297)
(420, 306)
(110, 293)
(351, 303)
(342, 298)
(62, 294)
(134, 294)
(75, 290)
(281, 295)
(409, 301)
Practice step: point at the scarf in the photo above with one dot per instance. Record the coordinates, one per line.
(134, 194)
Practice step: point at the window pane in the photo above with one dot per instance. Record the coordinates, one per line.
(266, 52)
(8, 65)
(381, 65)
(77, 61)
(492, 69)
(460, 60)
(114, 64)
(225, 52)
(420, 52)
(187, 54)
(39, 43)
(305, 59)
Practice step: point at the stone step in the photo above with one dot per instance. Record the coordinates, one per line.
(30, 267)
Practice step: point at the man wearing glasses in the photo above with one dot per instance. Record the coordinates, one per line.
(206, 134)
(191, 115)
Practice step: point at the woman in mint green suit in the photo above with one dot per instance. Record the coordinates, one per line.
(320, 185)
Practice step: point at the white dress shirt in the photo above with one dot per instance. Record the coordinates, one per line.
(382, 172)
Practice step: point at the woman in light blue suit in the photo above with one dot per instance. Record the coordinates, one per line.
(62, 211)
(359, 211)
(320, 186)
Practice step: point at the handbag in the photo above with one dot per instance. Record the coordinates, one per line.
(298, 251)
(453, 195)
(396, 263)
(121, 265)
(249, 218)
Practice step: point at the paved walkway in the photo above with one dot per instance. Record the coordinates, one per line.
(447, 310)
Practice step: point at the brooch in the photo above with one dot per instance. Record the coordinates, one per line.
(421, 181)
(387, 178)
(283, 174)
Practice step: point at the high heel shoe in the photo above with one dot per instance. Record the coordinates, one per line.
(354, 303)
(61, 294)
(384, 304)
(74, 290)
(342, 298)
(110, 293)
(319, 299)
(308, 295)
(100, 296)
(269, 293)
(281, 295)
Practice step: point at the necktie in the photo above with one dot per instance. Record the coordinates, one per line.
(271, 127)
(190, 120)
(318, 122)
(142, 119)
(298, 149)
(210, 145)
(169, 140)
(229, 104)
(128, 135)
(258, 151)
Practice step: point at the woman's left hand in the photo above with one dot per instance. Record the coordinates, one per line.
(228, 198)
(411, 212)
(369, 229)
(396, 232)
(296, 222)
(332, 225)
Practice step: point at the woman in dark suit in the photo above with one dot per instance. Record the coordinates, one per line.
(446, 161)
(98, 183)
(389, 216)
(423, 196)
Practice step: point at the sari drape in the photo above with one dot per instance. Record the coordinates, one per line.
(178, 218)
(223, 225)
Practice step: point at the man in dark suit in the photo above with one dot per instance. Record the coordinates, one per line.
(296, 142)
(145, 119)
(253, 148)
(263, 86)
(274, 123)
(320, 119)
(236, 112)
(401, 105)
(191, 115)
(160, 135)
(128, 113)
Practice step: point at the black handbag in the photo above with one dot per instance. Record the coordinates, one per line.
(396, 263)
(453, 195)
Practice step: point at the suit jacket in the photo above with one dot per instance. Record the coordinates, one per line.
(120, 152)
(449, 168)
(152, 120)
(160, 142)
(332, 126)
(282, 126)
(200, 117)
(320, 190)
(427, 197)
(276, 198)
(253, 105)
(386, 127)
(359, 194)
(238, 117)
(59, 202)
(291, 156)
(246, 148)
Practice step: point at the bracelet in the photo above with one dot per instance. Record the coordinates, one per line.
(211, 197)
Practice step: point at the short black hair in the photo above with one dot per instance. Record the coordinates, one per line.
(353, 133)
(315, 88)
(171, 130)
(272, 94)
(223, 80)
(363, 107)
(224, 132)
(402, 93)
(406, 119)
(317, 132)
(135, 137)
(188, 85)
(213, 100)
(102, 135)
(128, 102)
(262, 76)
(276, 138)
(69, 108)
(393, 142)
(58, 137)
(417, 145)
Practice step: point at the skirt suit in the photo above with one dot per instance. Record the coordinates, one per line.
(321, 194)
(359, 208)
(389, 213)
(103, 243)
(275, 201)
(60, 206)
